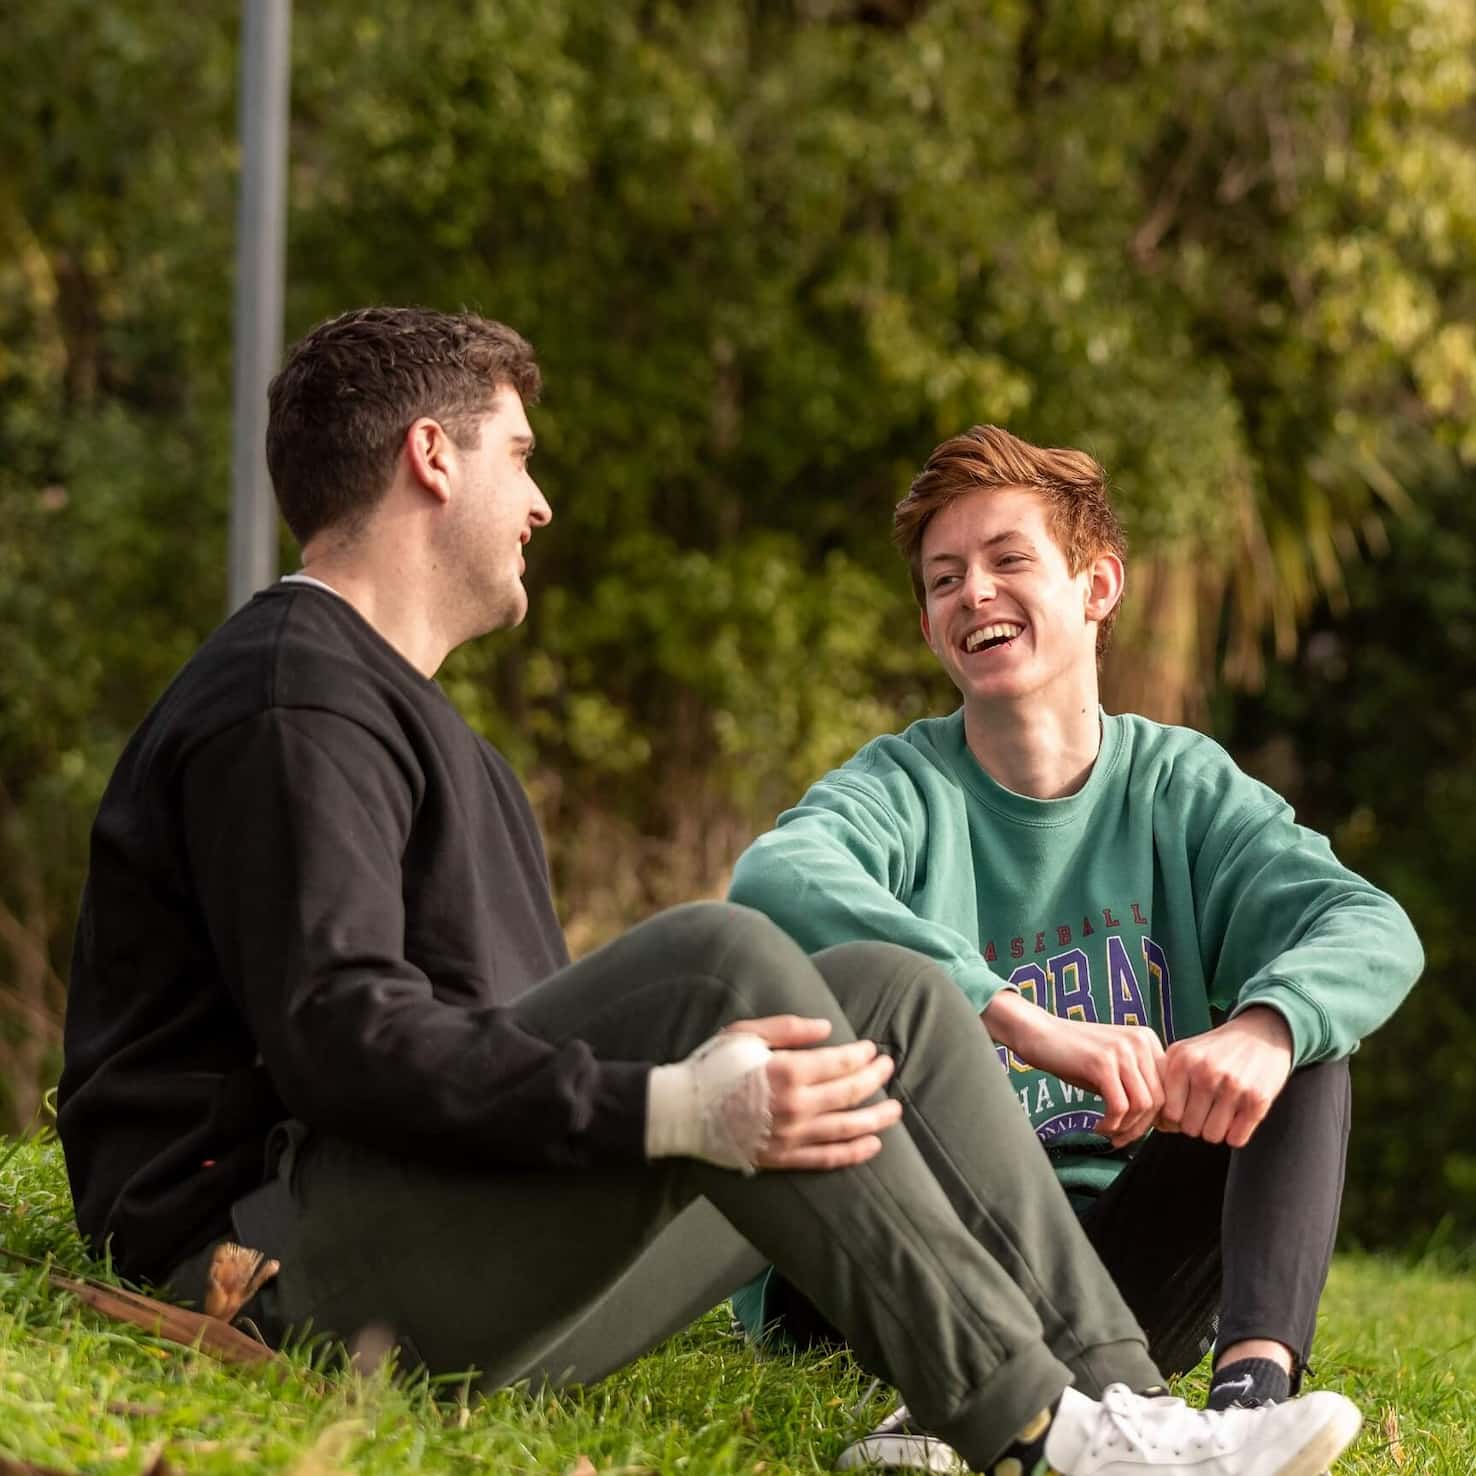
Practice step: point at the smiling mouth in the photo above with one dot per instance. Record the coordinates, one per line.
(987, 637)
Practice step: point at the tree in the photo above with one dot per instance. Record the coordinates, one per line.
(1370, 733)
(770, 254)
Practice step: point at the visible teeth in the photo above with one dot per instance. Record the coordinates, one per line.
(1002, 631)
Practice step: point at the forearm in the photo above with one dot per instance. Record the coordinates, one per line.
(822, 892)
(379, 1060)
(1340, 979)
(1117, 1062)
(1286, 925)
(296, 828)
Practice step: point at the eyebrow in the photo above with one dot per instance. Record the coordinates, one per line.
(1009, 533)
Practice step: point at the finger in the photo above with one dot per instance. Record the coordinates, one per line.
(838, 1127)
(1175, 1093)
(1150, 1047)
(1251, 1115)
(1143, 1103)
(783, 1031)
(1132, 1129)
(1140, 1081)
(834, 1095)
(1199, 1103)
(819, 1064)
(1115, 1103)
(821, 1155)
(1221, 1115)
(1153, 1080)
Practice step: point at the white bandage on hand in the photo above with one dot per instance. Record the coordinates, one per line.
(714, 1105)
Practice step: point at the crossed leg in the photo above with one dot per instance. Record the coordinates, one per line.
(951, 1261)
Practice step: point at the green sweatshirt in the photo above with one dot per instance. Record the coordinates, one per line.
(1172, 890)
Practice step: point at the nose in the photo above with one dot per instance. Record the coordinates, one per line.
(540, 513)
(979, 586)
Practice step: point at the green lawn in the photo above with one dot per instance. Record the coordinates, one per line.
(80, 1394)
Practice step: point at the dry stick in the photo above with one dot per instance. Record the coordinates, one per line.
(9, 1467)
(192, 1329)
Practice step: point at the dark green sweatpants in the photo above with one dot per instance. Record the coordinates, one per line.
(951, 1261)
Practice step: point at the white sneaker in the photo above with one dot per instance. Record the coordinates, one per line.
(897, 1444)
(1128, 1434)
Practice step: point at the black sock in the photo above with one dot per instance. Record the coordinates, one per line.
(1248, 1381)
(1027, 1449)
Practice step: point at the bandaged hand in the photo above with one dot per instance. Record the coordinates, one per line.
(813, 1106)
(714, 1105)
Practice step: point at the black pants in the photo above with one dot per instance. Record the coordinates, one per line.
(1190, 1230)
(1208, 1245)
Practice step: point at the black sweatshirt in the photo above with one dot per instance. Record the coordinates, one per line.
(312, 893)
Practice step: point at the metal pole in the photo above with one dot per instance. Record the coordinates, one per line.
(260, 268)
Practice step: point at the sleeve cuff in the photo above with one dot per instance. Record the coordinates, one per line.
(617, 1123)
(979, 984)
(1303, 1016)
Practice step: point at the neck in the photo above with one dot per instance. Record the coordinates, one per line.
(1043, 751)
(386, 585)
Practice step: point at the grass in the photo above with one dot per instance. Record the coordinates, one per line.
(78, 1393)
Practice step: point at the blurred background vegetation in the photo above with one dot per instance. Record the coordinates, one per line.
(770, 252)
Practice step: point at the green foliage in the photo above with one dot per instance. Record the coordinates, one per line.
(80, 1393)
(769, 253)
(1370, 735)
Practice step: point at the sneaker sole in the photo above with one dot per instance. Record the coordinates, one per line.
(1327, 1444)
(902, 1453)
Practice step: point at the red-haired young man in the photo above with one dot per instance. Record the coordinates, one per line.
(1152, 941)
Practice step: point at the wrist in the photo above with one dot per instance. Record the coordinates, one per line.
(1266, 1023)
(673, 1123)
(1013, 1021)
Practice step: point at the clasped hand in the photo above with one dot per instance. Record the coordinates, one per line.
(1217, 1086)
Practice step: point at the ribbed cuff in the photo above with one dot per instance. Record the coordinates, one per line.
(1126, 1362)
(617, 1124)
(1015, 1393)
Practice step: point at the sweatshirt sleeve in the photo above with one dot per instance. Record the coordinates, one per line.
(1285, 924)
(835, 869)
(296, 822)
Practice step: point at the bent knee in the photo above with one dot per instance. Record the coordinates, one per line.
(736, 947)
(871, 966)
(712, 930)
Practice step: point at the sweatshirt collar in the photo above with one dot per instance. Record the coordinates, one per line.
(1024, 809)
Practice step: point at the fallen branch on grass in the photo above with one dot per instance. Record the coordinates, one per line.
(191, 1329)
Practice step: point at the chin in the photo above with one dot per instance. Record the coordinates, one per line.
(515, 611)
(1001, 689)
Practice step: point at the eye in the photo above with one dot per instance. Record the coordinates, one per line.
(1013, 558)
(941, 580)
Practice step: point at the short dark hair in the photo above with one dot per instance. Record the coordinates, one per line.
(351, 388)
(1072, 485)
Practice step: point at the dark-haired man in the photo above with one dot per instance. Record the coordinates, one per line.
(1151, 939)
(321, 1006)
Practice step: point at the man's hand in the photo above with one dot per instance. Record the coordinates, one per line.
(817, 1096)
(1219, 1085)
(1121, 1063)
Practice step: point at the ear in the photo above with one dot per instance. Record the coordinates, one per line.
(1105, 578)
(430, 457)
(927, 629)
